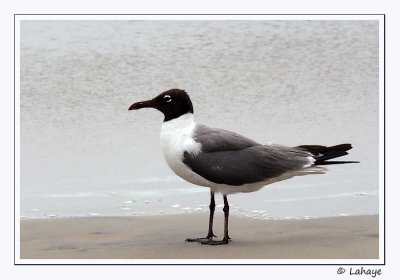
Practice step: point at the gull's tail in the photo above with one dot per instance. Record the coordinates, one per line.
(322, 153)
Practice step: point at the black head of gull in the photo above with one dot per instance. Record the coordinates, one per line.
(172, 103)
(225, 161)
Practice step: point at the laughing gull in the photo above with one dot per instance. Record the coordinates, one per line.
(225, 161)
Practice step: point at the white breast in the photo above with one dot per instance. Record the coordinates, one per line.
(176, 138)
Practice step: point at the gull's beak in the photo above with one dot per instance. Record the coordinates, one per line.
(142, 104)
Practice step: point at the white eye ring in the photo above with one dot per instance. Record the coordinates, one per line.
(167, 98)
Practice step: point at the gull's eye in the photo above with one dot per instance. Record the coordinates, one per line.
(167, 98)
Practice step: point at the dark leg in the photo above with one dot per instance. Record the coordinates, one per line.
(211, 221)
(226, 238)
(226, 213)
(210, 234)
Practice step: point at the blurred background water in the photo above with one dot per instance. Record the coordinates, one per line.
(288, 82)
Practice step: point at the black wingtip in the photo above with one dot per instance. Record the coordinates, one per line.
(322, 153)
(335, 162)
(341, 147)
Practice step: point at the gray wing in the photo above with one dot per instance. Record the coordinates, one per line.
(214, 140)
(231, 159)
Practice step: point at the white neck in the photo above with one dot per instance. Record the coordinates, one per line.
(176, 136)
(183, 124)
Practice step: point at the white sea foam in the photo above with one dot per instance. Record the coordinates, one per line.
(128, 202)
(330, 196)
(51, 215)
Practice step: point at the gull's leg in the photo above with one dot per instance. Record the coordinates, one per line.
(226, 212)
(226, 238)
(210, 234)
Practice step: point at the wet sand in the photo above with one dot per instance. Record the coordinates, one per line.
(163, 237)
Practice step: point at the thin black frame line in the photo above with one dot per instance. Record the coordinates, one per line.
(225, 264)
(196, 264)
(199, 14)
(384, 138)
(14, 142)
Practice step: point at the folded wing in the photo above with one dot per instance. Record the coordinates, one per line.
(229, 158)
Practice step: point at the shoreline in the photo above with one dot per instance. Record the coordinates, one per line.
(259, 215)
(163, 237)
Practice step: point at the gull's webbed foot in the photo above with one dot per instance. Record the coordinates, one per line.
(216, 242)
(201, 239)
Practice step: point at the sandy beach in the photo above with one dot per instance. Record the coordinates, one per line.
(163, 237)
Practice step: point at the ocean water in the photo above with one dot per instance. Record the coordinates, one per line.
(288, 82)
